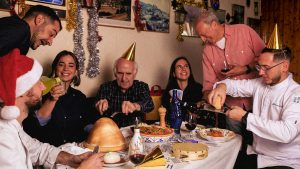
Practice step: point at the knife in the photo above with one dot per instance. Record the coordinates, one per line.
(210, 108)
(96, 149)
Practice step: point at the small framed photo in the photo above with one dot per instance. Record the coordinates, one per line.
(5, 5)
(117, 13)
(254, 24)
(59, 6)
(238, 12)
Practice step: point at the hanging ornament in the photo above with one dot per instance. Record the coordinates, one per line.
(92, 40)
(71, 21)
(215, 4)
(77, 38)
(137, 16)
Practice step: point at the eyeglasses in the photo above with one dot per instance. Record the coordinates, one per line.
(181, 67)
(264, 68)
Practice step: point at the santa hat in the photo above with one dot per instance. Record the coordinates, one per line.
(18, 74)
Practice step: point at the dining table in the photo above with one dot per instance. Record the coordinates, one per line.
(221, 155)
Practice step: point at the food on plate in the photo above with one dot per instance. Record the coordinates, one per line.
(189, 151)
(215, 133)
(217, 102)
(107, 135)
(155, 130)
(112, 157)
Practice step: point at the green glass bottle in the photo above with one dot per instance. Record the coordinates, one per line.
(49, 83)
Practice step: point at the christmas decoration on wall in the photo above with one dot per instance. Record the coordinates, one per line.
(92, 40)
(137, 16)
(71, 22)
(77, 38)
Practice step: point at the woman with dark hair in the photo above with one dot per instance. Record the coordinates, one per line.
(63, 114)
(181, 77)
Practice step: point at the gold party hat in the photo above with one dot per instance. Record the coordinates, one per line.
(130, 53)
(155, 158)
(274, 41)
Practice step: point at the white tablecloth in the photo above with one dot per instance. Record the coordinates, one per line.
(220, 156)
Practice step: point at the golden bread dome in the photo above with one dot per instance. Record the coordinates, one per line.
(107, 135)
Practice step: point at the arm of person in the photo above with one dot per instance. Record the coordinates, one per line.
(102, 98)
(284, 130)
(44, 113)
(145, 101)
(95, 161)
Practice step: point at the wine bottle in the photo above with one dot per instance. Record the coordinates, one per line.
(176, 114)
(49, 83)
(191, 107)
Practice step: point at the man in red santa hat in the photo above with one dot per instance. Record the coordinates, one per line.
(20, 89)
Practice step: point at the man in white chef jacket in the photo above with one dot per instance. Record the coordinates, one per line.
(20, 89)
(275, 120)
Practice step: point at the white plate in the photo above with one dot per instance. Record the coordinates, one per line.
(198, 127)
(124, 160)
(226, 135)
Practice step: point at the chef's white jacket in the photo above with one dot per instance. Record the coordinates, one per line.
(19, 151)
(275, 121)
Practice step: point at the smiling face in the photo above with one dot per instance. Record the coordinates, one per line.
(66, 69)
(44, 33)
(125, 72)
(207, 32)
(272, 72)
(182, 70)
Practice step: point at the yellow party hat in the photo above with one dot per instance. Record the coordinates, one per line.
(274, 41)
(130, 53)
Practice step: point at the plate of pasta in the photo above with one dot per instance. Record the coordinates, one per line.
(216, 134)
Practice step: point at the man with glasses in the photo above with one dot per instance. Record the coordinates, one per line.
(230, 52)
(275, 121)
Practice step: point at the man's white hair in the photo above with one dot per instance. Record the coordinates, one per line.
(116, 62)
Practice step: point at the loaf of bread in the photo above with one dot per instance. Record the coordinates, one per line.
(107, 135)
(217, 102)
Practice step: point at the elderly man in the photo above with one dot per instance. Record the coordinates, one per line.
(39, 26)
(124, 98)
(230, 51)
(275, 121)
(21, 89)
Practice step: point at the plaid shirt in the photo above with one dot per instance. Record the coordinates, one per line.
(137, 93)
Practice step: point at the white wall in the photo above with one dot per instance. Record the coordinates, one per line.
(154, 52)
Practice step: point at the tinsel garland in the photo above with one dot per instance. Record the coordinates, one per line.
(77, 38)
(137, 16)
(71, 22)
(92, 40)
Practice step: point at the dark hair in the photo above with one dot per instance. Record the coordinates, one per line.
(40, 9)
(172, 80)
(279, 54)
(76, 80)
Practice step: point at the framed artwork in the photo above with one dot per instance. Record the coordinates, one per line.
(155, 15)
(237, 14)
(4, 5)
(254, 24)
(117, 13)
(59, 6)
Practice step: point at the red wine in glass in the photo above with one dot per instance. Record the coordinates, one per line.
(136, 158)
(190, 126)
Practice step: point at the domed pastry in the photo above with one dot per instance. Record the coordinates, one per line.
(107, 135)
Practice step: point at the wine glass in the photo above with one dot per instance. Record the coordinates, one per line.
(191, 123)
(136, 154)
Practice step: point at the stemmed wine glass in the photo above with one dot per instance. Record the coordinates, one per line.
(136, 155)
(191, 123)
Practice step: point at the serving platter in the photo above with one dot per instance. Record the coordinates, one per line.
(216, 134)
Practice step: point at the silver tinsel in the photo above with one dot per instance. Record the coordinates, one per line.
(93, 38)
(77, 38)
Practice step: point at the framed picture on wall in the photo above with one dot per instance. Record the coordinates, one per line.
(237, 14)
(117, 13)
(155, 15)
(4, 5)
(59, 6)
(254, 24)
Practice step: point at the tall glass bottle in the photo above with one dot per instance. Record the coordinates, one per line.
(176, 114)
(136, 148)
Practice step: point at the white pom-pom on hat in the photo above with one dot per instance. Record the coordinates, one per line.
(10, 112)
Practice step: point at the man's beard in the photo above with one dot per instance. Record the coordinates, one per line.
(33, 106)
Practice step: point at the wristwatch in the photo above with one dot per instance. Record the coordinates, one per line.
(249, 70)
